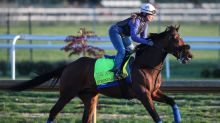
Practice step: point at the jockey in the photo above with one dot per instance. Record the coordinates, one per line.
(121, 32)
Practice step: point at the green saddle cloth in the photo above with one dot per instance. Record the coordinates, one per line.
(102, 73)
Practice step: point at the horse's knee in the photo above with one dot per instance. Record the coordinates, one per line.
(171, 101)
(161, 97)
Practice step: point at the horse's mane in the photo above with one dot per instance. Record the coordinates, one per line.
(155, 36)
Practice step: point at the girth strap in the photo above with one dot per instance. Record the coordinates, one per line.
(124, 87)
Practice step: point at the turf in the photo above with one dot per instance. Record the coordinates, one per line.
(33, 107)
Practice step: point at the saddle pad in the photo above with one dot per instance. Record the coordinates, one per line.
(102, 73)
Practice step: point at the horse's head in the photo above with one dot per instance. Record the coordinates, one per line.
(171, 42)
(166, 42)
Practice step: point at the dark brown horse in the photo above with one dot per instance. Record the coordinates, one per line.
(77, 78)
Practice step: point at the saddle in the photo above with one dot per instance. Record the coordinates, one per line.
(103, 75)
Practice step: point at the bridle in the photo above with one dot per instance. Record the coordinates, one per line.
(170, 48)
(174, 47)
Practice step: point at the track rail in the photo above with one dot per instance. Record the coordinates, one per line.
(195, 86)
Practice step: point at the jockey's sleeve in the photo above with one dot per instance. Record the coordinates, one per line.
(145, 32)
(134, 31)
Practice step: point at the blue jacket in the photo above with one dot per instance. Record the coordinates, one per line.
(133, 27)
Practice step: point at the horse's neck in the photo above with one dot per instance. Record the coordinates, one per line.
(151, 58)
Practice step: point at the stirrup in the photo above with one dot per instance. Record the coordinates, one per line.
(119, 75)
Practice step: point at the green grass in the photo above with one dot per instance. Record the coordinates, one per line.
(33, 107)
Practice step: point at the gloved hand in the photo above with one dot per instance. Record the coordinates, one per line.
(149, 42)
(130, 47)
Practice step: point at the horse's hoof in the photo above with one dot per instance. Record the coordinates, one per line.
(48, 121)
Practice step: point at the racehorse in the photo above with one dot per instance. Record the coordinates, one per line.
(76, 78)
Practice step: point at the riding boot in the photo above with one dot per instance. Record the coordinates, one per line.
(118, 74)
(118, 70)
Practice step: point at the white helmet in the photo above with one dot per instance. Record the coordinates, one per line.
(148, 8)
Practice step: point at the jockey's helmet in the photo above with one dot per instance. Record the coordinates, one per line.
(148, 8)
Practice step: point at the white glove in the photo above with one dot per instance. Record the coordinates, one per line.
(130, 47)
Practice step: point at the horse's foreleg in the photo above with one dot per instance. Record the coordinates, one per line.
(147, 101)
(159, 96)
(90, 103)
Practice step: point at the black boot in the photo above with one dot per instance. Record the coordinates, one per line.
(118, 73)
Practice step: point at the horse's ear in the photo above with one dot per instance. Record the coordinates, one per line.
(167, 29)
(177, 28)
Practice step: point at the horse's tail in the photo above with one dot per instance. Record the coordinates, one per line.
(55, 74)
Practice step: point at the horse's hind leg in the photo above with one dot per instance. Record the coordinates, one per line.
(90, 103)
(159, 96)
(62, 101)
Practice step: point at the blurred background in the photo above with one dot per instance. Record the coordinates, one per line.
(199, 21)
(43, 25)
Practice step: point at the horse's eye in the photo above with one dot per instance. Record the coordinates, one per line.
(176, 41)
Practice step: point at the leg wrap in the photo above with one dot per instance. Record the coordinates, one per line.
(176, 113)
(159, 122)
(48, 121)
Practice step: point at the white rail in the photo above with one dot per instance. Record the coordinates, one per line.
(13, 55)
(207, 43)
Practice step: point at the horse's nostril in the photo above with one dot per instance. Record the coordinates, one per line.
(186, 47)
